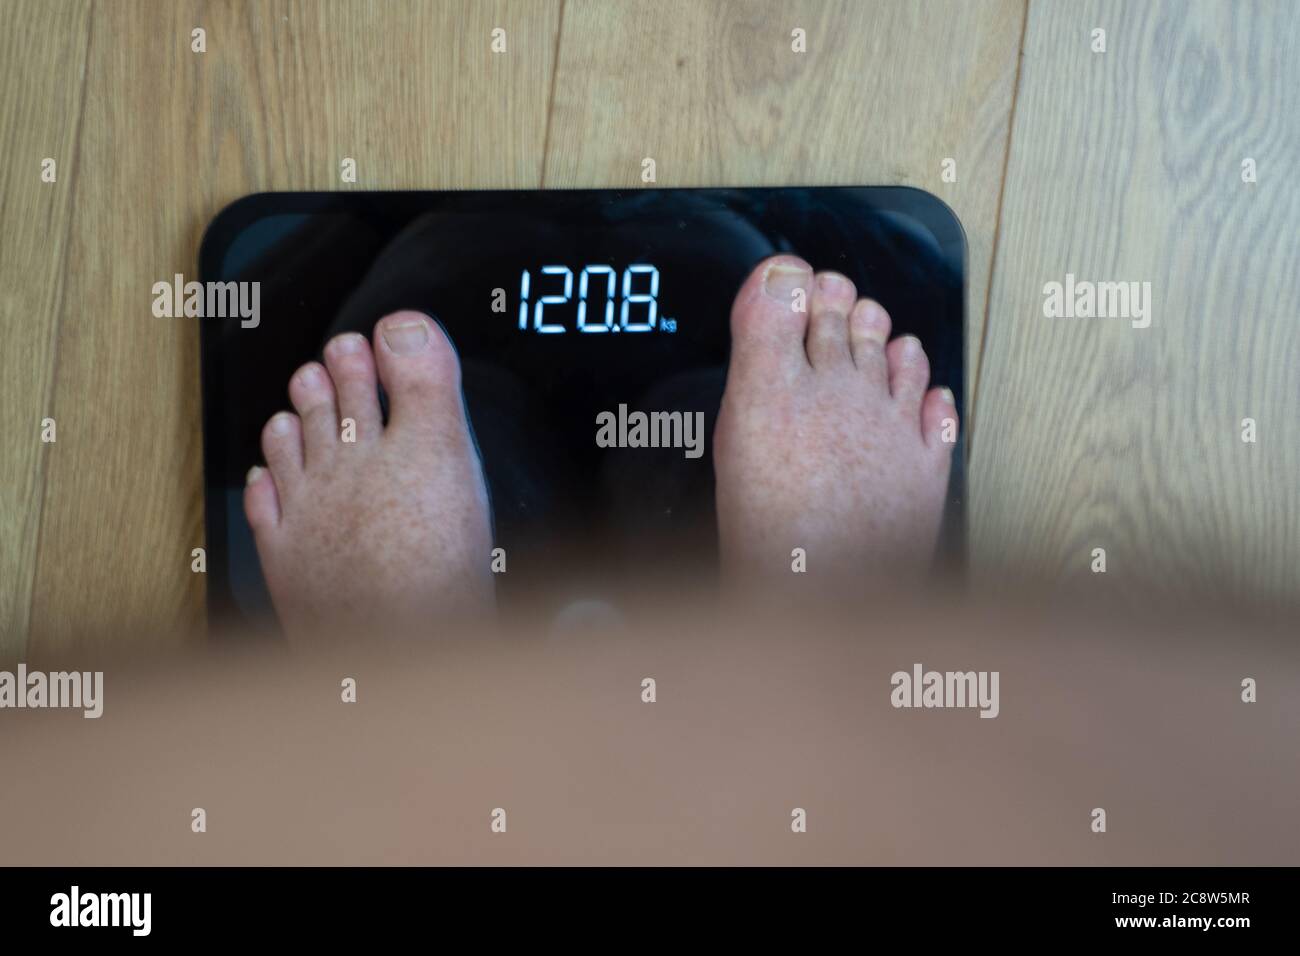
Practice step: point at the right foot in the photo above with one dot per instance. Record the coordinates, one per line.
(391, 528)
(827, 439)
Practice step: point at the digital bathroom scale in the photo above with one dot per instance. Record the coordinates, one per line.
(561, 304)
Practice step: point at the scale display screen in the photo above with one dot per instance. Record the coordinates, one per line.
(562, 304)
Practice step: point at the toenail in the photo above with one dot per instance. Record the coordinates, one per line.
(946, 395)
(310, 375)
(870, 320)
(832, 283)
(280, 423)
(911, 346)
(407, 337)
(782, 278)
(254, 474)
(347, 344)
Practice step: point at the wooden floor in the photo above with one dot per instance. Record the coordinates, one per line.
(1123, 165)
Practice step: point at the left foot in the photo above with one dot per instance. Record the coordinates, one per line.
(392, 527)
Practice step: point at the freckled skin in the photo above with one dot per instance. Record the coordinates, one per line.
(828, 439)
(391, 529)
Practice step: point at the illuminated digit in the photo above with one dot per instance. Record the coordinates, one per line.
(648, 298)
(609, 299)
(523, 300)
(546, 300)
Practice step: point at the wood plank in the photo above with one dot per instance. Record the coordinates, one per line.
(714, 93)
(1126, 166)
(42, 64)
(284, 92)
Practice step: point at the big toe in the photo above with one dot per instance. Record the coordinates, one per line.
(419, 370)
(769, 318)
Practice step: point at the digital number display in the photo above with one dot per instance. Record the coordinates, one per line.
(603, 277)
(603, 296)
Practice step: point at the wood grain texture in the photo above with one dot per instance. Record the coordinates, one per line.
(1121, 166)
(42, 51)
(284, 92)
(1126, 165)
(715, 95)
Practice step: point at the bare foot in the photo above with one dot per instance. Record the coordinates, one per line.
(392, 527)
(827, 439)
